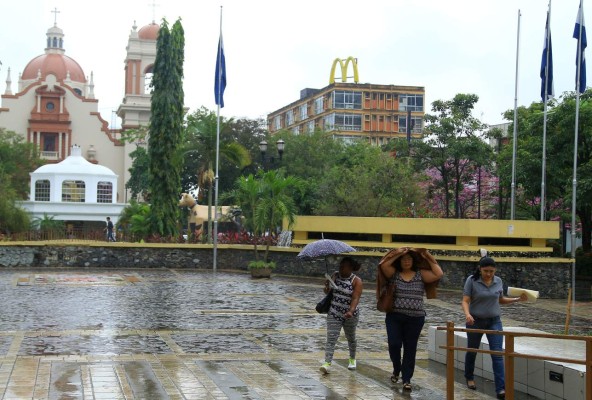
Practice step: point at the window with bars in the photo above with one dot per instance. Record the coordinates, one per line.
(318, 105)
(348, 122)
(416, 124)
(105, 192)
(413, 102)
(303, 112)
(289, 118)
(73, 191)
(42, 190)
(350, 100)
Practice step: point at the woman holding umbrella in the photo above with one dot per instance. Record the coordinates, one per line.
(344, 312)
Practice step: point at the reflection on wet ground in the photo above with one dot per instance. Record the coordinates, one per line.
(178, 334)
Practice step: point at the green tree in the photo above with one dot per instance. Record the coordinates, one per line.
(276, 203)
(134, 220)
(309, 157)
(17, 159)
(12, 217)
(199, 153)
(559, 149)
(246, 193)
(166, 129)
(139, 179)
(366, 182)
(266, 199)
(453, 147)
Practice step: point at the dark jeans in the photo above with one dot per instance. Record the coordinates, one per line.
(495, 343)
(403, 331)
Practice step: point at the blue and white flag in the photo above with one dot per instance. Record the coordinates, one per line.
(220, 84)
(580, 34)
(547, 64)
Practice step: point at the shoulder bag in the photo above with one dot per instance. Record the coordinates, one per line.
(324, 305)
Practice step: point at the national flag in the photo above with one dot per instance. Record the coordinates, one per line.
(220, 84)
(580, 34)
(547, 64)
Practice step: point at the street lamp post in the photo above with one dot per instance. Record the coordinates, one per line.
(271, 160)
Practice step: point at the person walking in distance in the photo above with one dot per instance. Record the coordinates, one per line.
(109, 228)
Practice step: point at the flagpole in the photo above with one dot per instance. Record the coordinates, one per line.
(515, 144)
(216, 179)
(575, 154)
(546, 96)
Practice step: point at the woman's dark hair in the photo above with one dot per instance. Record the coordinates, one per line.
(397, 263)
(354, 264)
(483, 262)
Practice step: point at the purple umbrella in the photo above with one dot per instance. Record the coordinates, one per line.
(324, 248)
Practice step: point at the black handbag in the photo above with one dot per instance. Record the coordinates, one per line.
(324, 305)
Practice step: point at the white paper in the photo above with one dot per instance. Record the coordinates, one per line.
(532, 295)
(331, 283)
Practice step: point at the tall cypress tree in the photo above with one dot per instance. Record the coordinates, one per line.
(166, 127)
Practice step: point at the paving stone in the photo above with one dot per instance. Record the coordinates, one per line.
(188, 334)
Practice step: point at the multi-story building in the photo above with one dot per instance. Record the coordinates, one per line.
(351, 111)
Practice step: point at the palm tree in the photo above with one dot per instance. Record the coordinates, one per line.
(276, 203)
(266, 200)
(247, 193)
(201, 139)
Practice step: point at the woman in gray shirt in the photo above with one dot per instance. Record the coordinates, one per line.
(482, 296)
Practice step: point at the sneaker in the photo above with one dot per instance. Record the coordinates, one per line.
(352, 364)
(325, 368)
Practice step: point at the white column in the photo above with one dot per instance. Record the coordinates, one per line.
(60, 136)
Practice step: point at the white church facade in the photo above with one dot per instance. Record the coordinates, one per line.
(54, 107)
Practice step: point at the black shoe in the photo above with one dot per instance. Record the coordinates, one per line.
(472, 385)
(407, 386)
(394, 378)
(501, 395)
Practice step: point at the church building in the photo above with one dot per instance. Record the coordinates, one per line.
(54, 107)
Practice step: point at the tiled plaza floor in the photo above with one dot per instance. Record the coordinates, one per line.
(186, 334)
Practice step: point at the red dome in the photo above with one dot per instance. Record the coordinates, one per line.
(149, 32)
(56, 64)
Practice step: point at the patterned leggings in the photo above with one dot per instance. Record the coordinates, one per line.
(334, 329)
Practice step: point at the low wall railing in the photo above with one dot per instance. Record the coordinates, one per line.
(510, 355)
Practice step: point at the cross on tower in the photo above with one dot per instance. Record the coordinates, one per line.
(153, 4)
(55, 17)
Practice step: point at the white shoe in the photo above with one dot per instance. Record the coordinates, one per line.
(352, 364)
(325, 368)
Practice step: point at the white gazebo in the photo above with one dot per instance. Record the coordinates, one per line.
(74, 190)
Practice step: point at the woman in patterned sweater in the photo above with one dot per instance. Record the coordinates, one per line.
(344, 312)
(405, 321)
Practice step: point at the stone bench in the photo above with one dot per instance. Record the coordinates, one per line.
(543, 379)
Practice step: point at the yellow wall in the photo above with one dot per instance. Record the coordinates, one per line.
(466, 231)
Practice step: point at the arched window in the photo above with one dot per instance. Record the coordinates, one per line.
(148, 79)
(61, 43)
(78, 91)
(42, 190)
(105, 192)
(48, 42)
(73, 191)
(55, 42)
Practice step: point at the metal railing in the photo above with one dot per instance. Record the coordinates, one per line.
(510, 355)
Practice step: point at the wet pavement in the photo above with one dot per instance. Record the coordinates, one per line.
(188, 334)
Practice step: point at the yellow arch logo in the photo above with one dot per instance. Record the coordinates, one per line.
(344, 64)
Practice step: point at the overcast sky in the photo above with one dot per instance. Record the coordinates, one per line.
(276, 48)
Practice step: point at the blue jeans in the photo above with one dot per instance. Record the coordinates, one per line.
(403, 331)
(495, 343)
